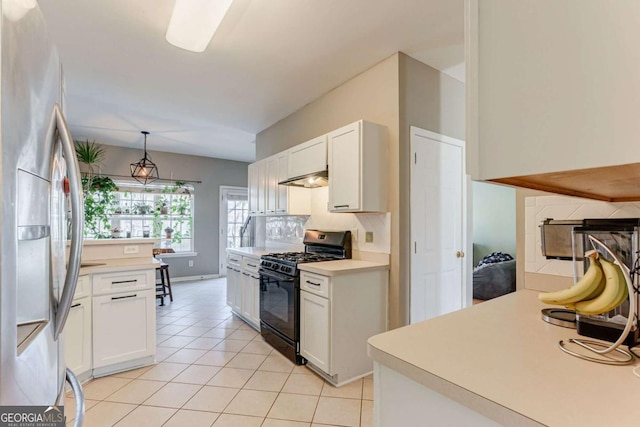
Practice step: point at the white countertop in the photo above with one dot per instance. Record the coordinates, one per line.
(123, 241)
(501, 359)
(120, 264)
(343, 266)
(257, 252)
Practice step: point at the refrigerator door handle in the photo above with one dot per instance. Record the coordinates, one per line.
(77, 221)
(79, 398)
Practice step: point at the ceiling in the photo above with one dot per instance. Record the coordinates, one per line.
(268, 59)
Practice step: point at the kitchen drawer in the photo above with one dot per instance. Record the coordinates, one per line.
(123, 281)
(234, 259)
(315, 283)
(250, 265)
(83, 289)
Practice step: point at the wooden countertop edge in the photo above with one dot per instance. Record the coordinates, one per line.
(474, 401)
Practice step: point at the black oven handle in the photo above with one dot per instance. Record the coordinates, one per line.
(276, 276)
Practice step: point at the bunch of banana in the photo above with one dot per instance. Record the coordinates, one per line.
(614, 293)
(591, 285)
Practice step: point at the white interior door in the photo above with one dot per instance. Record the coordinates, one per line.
(438, 225)
(234, 210)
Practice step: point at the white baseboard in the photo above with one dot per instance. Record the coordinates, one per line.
(191, 278)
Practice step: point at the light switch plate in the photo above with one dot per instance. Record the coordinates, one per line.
(132, 249)
(368, 237)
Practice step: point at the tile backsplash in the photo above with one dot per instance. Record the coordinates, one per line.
(285, 229)
(290, 229)
(537, 209)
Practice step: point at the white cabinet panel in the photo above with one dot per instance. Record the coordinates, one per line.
(271, 184)
(358, 168)
(255, 311)
(344, 168)
(314, 330)
(314, 283)
(257, 188)
(235, 276)
(247, 295)
(123, 327)
(77, 337)
(308, 157)
(231, 289)
(122, 281)
(83, 289)
(282, 173)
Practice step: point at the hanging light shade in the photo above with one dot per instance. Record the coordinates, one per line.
(144, 171)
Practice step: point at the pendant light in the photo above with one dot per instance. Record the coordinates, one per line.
(144, 171)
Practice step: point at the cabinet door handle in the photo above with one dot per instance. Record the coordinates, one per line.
(76, 305)
(255, 277)
(229, 268)
(251, 265)
(237, 271)
(313, 283)
(246, 274)
(119, 282)
(128, 296)
(340, 206)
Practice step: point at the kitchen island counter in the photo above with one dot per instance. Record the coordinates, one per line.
(497, 363)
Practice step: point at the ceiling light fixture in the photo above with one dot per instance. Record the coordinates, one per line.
(194, 22)
(144, 171)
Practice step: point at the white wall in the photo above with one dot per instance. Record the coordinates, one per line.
(494, 220)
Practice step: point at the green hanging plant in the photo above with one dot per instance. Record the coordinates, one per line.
(99, 200)
(99, 205)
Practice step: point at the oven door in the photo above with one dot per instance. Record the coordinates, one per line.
(278, 303)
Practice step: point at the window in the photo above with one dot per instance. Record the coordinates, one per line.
(237, 213)
(155, 210)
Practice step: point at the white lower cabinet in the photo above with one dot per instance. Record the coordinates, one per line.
(255, 312)
(243, 281)
(123, 327)
(314, 329)
(112, 323)
(247, 295)
(338, 314)
(77, 338)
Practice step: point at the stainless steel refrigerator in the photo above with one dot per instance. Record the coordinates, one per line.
(40, 191)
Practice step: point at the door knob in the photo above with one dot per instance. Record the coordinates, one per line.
(460, 254)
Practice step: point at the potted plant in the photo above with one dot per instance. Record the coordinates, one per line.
(116, 233)
(169, 232)
(143, 209)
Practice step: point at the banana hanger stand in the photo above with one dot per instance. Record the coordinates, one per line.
(601, 351)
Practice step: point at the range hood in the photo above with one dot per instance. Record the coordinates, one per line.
(310, 180)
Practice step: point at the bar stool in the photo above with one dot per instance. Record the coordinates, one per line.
(163, 288)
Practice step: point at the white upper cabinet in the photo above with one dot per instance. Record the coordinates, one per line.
(282, 173)
(272, 184)
(552, 87)
(358, 168)
(257, 188)
(267, 197)
(308, 157)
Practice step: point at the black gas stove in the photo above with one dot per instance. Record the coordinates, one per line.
(287, 262)
(280, 287)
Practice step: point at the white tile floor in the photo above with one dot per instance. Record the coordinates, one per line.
(213, 369)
